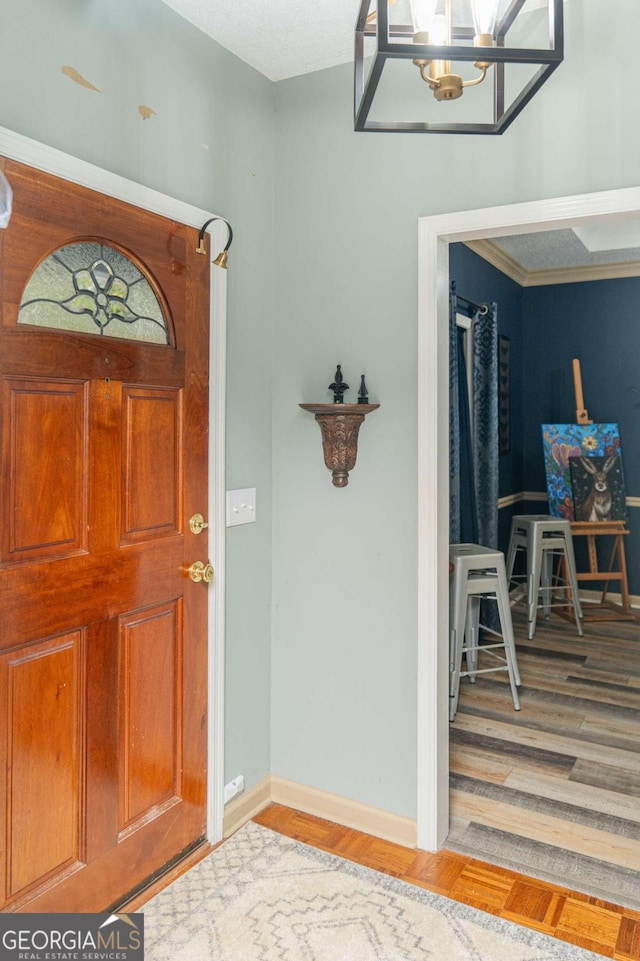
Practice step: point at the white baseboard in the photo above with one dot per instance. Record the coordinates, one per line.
(242, 808)
(341, 810)
(593, 597)
(588, 597)
(322, 804)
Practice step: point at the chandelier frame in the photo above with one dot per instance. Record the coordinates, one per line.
(395, 42)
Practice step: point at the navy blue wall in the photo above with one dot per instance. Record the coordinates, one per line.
(599, 323)
(479, 281)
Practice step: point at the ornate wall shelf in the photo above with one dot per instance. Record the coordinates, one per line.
(340, 424)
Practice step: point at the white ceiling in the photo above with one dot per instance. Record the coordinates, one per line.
(286, 38)
(611, 243)
(604, 251)
(280, 38)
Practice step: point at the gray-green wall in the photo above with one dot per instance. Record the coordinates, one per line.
(142, 53)
(324, 270)
(345, 593)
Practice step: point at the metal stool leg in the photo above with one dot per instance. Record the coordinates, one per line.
(511, 554)
(505, 639)
(573, 581)
(506, 623)
(458, 616)
(546, 580)
(472, 635)
(509, 647)
(534, 569)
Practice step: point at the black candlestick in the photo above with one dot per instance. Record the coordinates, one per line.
(363, 395)
(338, 387)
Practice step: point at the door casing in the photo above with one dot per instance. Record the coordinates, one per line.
(24, 150)
(434, 236)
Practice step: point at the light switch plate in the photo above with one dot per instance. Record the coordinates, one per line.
(241, 506)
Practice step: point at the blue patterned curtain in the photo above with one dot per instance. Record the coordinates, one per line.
(463, 516)
(454, 424)
(485, 424)
(473, 460)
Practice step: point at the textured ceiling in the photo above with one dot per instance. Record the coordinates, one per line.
(280, 38)
(285, 38)
(557, 249)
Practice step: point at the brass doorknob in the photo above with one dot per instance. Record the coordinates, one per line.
(199, 571)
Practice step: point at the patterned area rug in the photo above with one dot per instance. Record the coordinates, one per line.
(264, 897)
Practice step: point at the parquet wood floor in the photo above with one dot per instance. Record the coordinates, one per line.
(559, 779)
(554, 789)
(588, 922)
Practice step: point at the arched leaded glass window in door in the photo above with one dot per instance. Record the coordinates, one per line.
(91, 288)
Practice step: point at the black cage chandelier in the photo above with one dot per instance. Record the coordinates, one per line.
(419, 70)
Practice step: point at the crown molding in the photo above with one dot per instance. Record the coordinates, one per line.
(498, 258)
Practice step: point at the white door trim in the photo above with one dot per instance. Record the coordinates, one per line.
(14, 146)
(434, 236)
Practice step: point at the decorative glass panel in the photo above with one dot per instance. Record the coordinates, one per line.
(91, 288)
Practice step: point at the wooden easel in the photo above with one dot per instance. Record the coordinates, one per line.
(603, 609)
(582, 415)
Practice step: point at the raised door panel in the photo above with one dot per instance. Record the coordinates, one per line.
(152, 460)
(45, 438)
(151, 712)
(42, 726)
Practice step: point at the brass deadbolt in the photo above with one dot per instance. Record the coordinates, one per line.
(197, 524)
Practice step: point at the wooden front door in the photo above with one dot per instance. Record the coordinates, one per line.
(103, 636)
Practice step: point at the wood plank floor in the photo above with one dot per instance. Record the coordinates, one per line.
(554, 789)
(588, 922)
(557, 783)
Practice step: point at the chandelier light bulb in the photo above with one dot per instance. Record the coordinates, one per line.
(422, 14)
(485, 14)
(438, 35)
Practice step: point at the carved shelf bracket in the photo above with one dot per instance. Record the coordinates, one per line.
(340, 424)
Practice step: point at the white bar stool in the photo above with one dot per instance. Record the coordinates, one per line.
(478, 572)
(543, 538)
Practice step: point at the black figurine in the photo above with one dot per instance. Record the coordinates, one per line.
(338, 387)
(363, 395)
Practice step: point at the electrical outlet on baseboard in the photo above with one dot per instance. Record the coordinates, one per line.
(233, 787)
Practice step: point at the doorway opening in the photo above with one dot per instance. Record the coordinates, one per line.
(435, 235)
